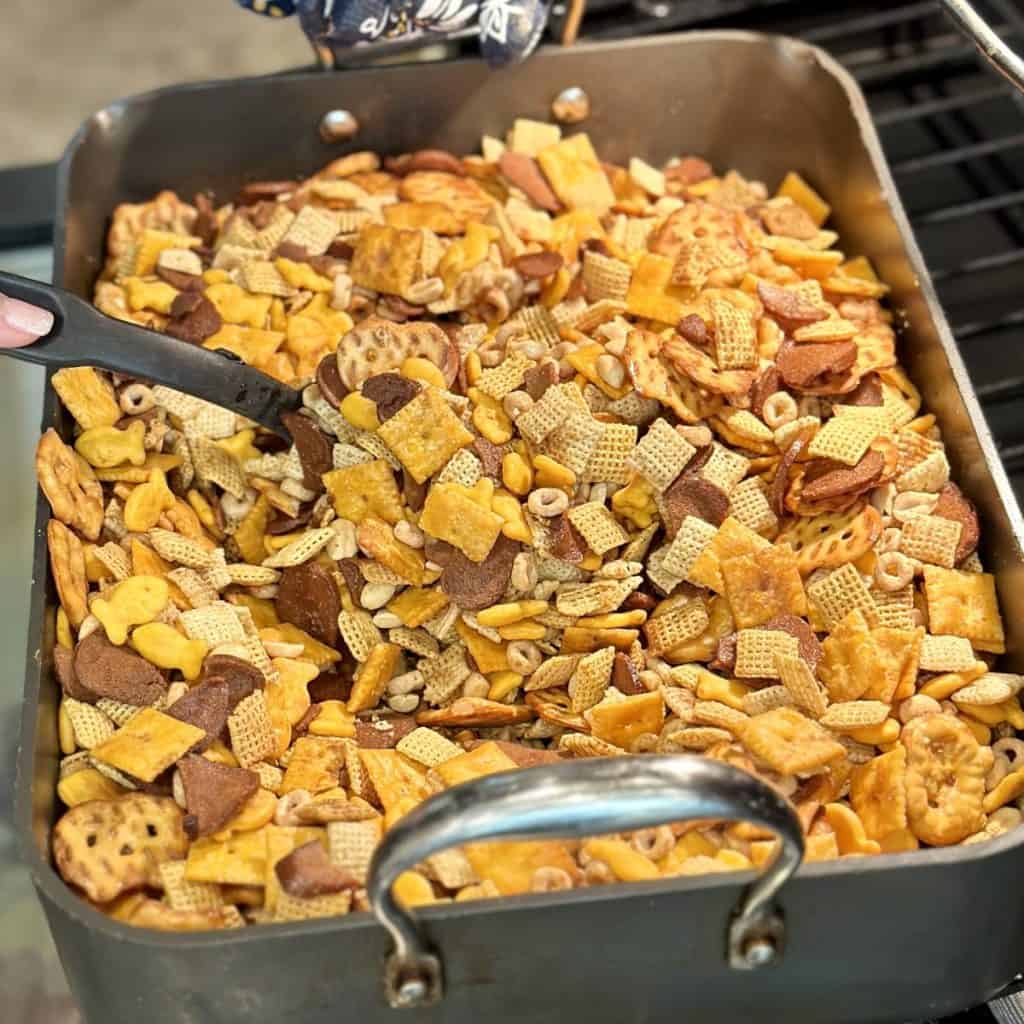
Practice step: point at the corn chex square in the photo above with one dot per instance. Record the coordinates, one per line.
(725, 468)
(605, 277)
(946, 654)
(462, 468)
(839, 593)
(216, 623)
(251, 730)
(428, 747)
(544, 416)
(538, 322)
(452, 868)
(768, 698)
(314, 228)
(735, 337)
(505, 377)
(749, 504)
(600, 529)
(692, 538)
(757, 649)
(350, 845)
(799, 682)
(444, 674)
(896, 608)
(591, 679)
(662, 454)
(262, 277)
(600, 597)
(609, 461)
(301, 550)
(181, 894)
(359, 633)
(310, 908)
(844, 438)
(855, 714)
(681, 623)
(929, 475)
(931, 539)
(574, 441)
(91, 726)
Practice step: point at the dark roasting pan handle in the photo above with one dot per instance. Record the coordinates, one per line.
(83, 336)
(574, 800)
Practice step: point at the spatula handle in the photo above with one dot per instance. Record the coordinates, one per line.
(83, 336)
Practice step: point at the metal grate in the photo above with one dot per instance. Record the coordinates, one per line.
(954, 134)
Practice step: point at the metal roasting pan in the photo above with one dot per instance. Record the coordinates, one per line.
(891, 938)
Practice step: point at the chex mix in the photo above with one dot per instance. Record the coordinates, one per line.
(593, 460)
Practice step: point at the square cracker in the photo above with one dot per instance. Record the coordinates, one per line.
(450, 514)
(365, 489)
(964, 604)
(732, 539)
(789, 742)
(763, 584)
(149, 743)
(424, 434)
(576, 175)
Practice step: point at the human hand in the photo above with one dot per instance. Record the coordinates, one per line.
(21, 323)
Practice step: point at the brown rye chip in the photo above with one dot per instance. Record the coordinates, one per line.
(767, 384)
(490, 456)
(328, 380)
(692, 495)
(313, 446)
(105, 670)
(538, 264)
(625, 677)
(810, 365)
(336, 685)
(198, 324)
(953, 504)
(539, 378)
(777, 495)
(214, 793)
(567, 543)
(205, 226)
(383, 732)
(353, 577)
(64, 669)
(475, 585)
(867, 392)
(826, 478)
(788, 307)
(391, 392)
(307, 597)
(257, 191)
(288, 524)
(694, 330)
(426, 160)
(179, 279)
(524, 172)
(206, 707)
(689, 171)
(414, 493)
(242, 677)
(307, 871)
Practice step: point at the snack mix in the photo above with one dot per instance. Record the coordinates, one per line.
(593, 461)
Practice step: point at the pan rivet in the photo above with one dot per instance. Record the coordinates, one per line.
(759, 951)
(571, 105)
(412, 992)
(338, 126)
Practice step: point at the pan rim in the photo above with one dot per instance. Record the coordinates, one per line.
(55, 890)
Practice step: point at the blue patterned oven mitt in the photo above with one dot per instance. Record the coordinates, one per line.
(508, 29)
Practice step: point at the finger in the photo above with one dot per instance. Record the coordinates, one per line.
(22, 323)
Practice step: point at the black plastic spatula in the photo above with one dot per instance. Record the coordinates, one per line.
(83, 336)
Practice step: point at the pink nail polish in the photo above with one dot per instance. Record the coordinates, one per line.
(23, 317)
